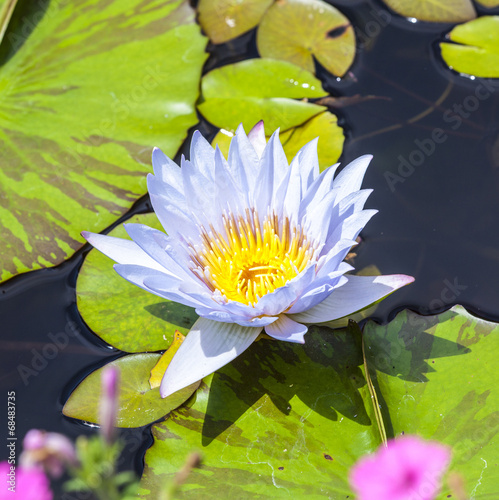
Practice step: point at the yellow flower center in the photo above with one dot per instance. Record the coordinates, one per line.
(249, 260)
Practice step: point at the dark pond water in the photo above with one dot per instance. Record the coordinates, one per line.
(435, 176)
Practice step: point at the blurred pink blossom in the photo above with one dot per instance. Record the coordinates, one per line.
(50, 450)
(23, 483)
(409, 468)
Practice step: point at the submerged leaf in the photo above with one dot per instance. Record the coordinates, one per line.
(479, 53)
(324, 126)
(437, 11)
(223, 20)
(83, 100)
(138, 404)
(123, 314)
(298, 30)
(259, 89)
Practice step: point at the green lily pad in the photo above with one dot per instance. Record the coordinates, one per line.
(82, 102)
(278, 422)
(138, 404)
(123, 314)
(324, 125)
(223, 20)
(259, 89)
(298, 30)
(479, 53)
(489, 4)
(288, 421)
(437, 376)
(437, 11)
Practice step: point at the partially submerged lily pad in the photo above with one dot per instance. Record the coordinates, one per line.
(285, 421)
(476, 51)
(489, 4)
(123, 314)
(138, 404)
(82, 102)
(437, 11)
(223, 20)
(260, 89)
(299, 30)
(324, 126)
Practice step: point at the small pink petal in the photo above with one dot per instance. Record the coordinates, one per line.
(257, 138)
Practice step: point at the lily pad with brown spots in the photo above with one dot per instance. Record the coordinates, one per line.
(87, 95)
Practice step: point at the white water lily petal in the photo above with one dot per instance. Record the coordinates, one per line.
(287, 329)
(207, 347)
(351, 177)
(122, 251)
(257, 138)
(309, 164)
(166, 170)
(202, 155)
(358, 293)
(155, 243)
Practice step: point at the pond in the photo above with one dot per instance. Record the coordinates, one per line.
(434, 135)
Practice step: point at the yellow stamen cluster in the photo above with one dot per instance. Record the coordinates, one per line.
(251, 259)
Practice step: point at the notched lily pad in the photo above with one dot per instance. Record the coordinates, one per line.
(82, 102)
(223, 20)
(123, 314)
(260, 89)
(138, 404)
(299, 30)
(324, 125)
(436, 11)
(476, 51)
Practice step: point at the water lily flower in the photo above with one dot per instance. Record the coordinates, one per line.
(24, 483)
(408, 468)
(253, 243)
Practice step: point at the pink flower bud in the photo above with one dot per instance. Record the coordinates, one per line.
(109, 402)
